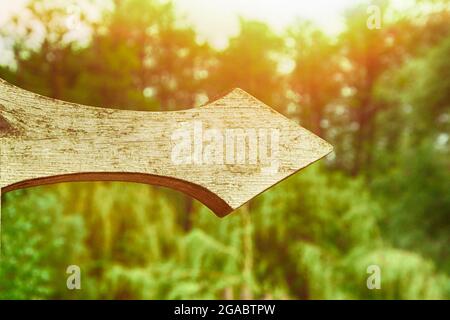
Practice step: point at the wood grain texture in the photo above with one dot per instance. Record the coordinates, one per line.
(43, 141)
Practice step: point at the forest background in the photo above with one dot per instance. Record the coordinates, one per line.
(380, 96)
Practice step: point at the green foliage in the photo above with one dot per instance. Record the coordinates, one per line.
(413, 155)
(314, 230)
(405, 275)
(33, 250)
(380, 96)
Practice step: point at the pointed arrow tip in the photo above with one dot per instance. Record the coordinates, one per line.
(327, 147)
(241, 93)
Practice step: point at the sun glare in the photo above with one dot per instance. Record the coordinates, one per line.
(217, 20)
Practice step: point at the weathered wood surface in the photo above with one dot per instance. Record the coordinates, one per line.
(43, 141)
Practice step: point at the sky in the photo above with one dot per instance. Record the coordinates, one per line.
(222, 18)
(217, 20)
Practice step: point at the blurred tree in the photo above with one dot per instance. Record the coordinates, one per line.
(43, 52)
(367, 55)
(156, 62)
(413, 153)
(250, 63)
(315, 79)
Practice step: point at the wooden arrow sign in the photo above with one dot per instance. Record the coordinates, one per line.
(223, 154)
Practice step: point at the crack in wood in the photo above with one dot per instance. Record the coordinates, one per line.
(5, 127)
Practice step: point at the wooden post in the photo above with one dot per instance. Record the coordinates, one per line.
(223, 154)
